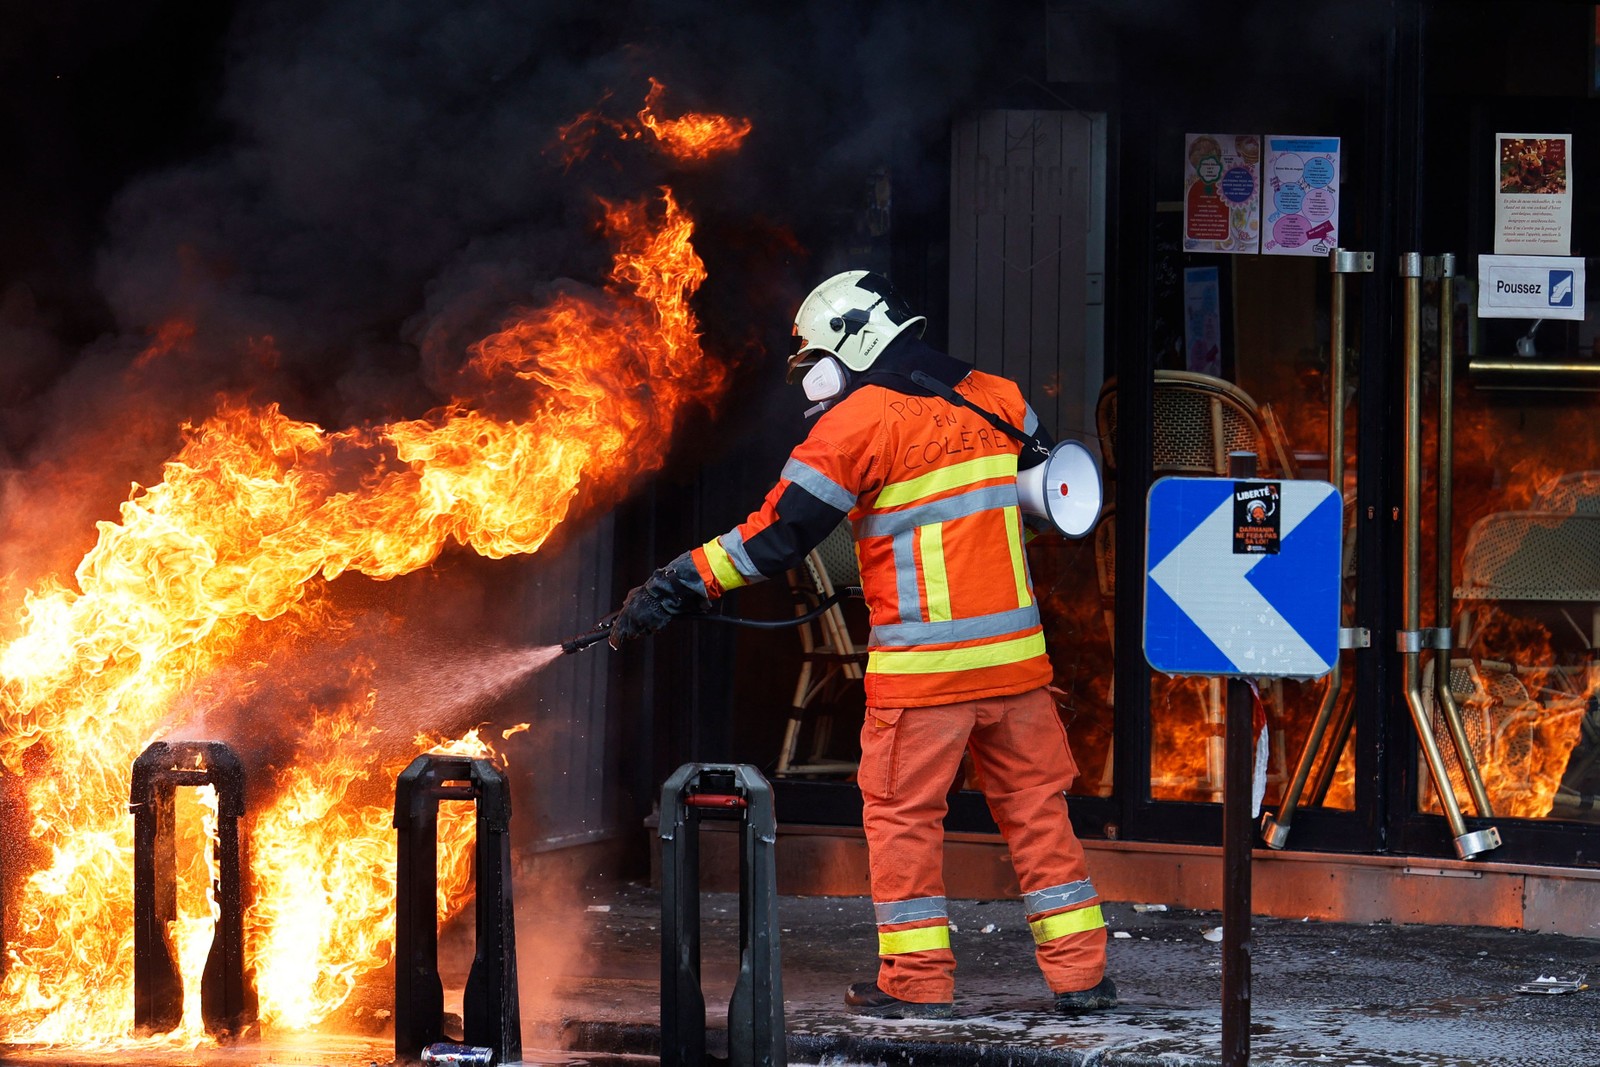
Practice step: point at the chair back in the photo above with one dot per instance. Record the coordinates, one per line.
(1199, 419)
(836, 556)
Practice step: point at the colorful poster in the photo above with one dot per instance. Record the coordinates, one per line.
(1301, 175)
(1202, 321)
(1222, 192)
(1533, 194)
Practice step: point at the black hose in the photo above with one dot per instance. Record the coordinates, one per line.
(602, 630)
(776, 624)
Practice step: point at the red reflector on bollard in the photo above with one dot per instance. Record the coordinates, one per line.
(713, 800)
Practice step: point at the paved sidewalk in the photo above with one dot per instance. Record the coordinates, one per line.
(1323, 993)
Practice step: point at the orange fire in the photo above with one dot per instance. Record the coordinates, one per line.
(691, 137)
(1521, 679)
(251, 516)
(694, 134)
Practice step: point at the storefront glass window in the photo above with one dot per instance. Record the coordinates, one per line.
(1269, 394)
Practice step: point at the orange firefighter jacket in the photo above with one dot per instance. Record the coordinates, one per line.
(930, 491)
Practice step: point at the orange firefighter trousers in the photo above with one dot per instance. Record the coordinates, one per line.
(909, 758)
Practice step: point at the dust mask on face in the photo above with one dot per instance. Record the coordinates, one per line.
(825, 380)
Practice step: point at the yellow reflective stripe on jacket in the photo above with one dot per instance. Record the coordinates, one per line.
(937, 661)
(1063, 923)
(1019, 567)
(727, 574)
(922, 939)
(930, 542)
(954, 476)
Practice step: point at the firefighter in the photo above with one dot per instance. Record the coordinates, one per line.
(956, 655)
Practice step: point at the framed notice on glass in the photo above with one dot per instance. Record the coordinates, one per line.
(1533, 194)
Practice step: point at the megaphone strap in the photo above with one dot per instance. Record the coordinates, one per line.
(944, 392)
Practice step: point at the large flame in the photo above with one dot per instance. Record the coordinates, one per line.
(255, 511)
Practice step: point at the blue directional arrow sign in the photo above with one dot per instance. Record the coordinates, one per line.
(1219, 600)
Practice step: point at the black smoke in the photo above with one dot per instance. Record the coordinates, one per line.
(338, 197)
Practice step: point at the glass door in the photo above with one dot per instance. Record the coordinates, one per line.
(1515, 555)
(1260, 347)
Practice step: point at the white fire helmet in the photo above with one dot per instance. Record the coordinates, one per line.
(852, 316)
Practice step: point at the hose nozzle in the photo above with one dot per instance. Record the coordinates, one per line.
(601, 631)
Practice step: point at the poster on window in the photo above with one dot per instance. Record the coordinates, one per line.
(1222, 192)
(1301, 187)
(1533, 194)
(1202, 321)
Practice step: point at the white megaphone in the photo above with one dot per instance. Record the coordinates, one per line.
(1064, 489)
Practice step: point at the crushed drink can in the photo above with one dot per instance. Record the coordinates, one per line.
(445, 1054)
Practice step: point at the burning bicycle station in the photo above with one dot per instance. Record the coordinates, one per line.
(1339, 585)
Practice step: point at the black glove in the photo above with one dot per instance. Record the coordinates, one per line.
(671, 591)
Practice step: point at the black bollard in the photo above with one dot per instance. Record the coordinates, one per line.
(755, 1014)
(491, 1014)
(227, 1000)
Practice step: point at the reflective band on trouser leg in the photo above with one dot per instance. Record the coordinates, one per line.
(920, 939)
(1057, 897)
(920, 909)
(1063, 923)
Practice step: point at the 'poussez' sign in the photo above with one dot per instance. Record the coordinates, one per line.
(1530, 287)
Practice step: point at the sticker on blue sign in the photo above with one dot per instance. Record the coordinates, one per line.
(1257, 519)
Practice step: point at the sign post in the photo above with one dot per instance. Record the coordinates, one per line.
(1237, 832)
(1242, 580)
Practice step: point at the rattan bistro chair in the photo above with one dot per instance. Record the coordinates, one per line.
(1547, 559)
(832, 663)
(1198, 421)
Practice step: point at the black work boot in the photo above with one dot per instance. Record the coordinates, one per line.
(1082, 1001)
(867, 999)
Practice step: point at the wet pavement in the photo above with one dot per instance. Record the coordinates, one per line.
(1377, 995)
(1329, 994)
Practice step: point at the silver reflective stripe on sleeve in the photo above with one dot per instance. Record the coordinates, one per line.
(1058, 896)
(888, 523)
(909, 911)
(732, 543)
(1030, 422)
(818, 485)
(938, 633)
